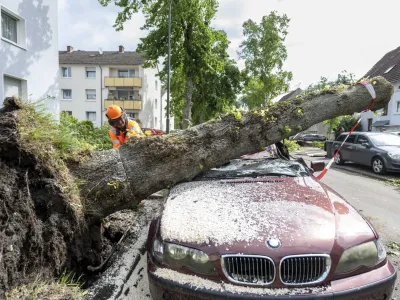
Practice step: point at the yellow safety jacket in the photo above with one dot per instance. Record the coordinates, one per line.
(118, 137)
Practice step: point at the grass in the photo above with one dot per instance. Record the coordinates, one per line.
(393, 248)
(54, 143)
(292, 145)
(67, 287)
(318, 145)
(395, 183)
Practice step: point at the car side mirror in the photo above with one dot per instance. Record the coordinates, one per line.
(317, 166)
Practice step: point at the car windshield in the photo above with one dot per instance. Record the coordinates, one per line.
(385, 139)
(255, 168)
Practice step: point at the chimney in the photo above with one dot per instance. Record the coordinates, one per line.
(121, 49)
(70, 49)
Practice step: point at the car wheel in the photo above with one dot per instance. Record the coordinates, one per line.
(378, 166)
(338, 159)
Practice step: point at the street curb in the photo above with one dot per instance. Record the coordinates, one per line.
(349, 169)
(366, 174)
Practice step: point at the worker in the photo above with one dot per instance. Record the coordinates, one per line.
(121, 128)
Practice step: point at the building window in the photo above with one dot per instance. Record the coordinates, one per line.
(13, 28)
(155, 104)
(156, 85)
(91, 72)
(385, 110)
(14, 87)
(132, 115)
(155, 122)
(91, 116)
(66, 72)
(126, 73)
(398, 107)
(389, 69)
(91, 95)
(9, 28)
(67, 94)
(67, 112)
(370, 124)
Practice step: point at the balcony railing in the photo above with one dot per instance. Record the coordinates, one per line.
(135, 104)
(123, 81)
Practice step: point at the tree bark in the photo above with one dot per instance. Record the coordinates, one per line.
(119, 179)
(187, 107)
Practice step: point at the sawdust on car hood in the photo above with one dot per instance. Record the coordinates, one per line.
(245, 212)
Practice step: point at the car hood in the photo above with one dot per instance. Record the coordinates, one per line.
(391, 149)
(240, 215)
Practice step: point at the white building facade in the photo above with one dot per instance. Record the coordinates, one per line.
(29, 51)
(90, 81)
(387, 119)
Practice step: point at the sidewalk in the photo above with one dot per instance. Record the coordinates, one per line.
(311, 154)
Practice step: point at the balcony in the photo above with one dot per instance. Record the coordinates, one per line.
(135, 104)
(123, 81)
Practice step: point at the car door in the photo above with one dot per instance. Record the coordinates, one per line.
(362, 151)
(348, 148)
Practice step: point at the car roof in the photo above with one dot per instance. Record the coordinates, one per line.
(363, 132)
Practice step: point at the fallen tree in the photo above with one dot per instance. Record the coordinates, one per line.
(115, 180)
(50, 209)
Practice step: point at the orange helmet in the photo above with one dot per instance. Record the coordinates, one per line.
(114, 112)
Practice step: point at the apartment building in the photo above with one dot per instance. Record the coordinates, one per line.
(29, 51)
(90, 81)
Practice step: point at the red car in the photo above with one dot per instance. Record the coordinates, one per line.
(152, 131)
(264, 229)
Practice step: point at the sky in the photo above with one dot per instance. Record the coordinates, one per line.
(325, 37)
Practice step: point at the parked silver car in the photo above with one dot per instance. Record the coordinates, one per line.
(379, 150)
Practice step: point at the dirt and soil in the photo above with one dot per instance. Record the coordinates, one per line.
(40, 234)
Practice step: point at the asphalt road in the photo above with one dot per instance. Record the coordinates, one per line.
(376, 200)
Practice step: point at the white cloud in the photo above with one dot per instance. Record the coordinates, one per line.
(325, 37)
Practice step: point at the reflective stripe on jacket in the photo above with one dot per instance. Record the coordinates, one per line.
(118, 138)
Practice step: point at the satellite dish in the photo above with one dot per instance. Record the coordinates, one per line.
(100, 51)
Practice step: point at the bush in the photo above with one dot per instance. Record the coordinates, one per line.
(318, 144)
(88, 137)
(67, 139)
(292, 145)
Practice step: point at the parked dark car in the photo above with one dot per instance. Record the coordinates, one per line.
(379, 150)
(311, 138)
(264, 229)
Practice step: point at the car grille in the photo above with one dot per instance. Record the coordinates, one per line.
(295, 270)
(251, 270)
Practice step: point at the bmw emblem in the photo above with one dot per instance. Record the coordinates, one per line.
(274, 243)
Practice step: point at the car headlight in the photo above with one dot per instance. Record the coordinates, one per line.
(178, 256)
(367, 254)
(394, 156)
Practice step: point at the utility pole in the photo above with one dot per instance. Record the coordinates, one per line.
(169, 65)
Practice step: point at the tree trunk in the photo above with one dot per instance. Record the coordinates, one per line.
(119, 179)
(187, 107)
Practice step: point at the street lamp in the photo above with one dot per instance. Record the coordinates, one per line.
(169, 64)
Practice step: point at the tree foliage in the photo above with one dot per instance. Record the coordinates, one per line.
(215, 91)
(192, 42)
(325, 84)
(347, 122)
(264, 53)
